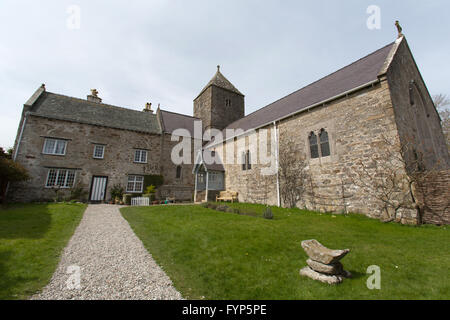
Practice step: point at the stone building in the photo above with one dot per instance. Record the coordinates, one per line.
(66, 143)
(363, 113)
(377, 107)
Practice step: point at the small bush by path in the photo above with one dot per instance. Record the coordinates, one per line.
(32, 238)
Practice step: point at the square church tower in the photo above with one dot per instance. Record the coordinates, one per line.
(219, 103)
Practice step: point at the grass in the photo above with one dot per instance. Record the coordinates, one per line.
(32, 237)
(216, 255)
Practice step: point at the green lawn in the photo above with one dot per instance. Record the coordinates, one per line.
(219, 255)
(32, 237)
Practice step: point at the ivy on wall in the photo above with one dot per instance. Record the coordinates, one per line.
(156, 180)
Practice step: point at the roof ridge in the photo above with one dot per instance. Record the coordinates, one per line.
(310, 84)
(100, 104)
(181, 114)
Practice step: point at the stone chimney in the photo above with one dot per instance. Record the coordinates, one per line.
(148, 107)
(94, 96)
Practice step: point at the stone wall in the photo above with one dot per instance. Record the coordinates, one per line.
(221, 114)
(210, 107)
(251, 185)
(433, 195)
(202, 107)
(118, 160)
(417, 120)
(181, 188)
(356, 126)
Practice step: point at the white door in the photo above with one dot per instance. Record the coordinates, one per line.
(98, 188)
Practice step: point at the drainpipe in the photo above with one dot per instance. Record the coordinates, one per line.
(195, 190)
(207, 182)
(276, 163)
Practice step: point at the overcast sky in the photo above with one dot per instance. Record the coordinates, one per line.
(165, 52)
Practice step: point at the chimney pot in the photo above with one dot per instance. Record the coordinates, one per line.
(148, 107)
(94, 96)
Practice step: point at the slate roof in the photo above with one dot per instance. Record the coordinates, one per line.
(56, 106)
(215, 167)
(172, 121)
(357, 74)
(209, 167)
(220, 81)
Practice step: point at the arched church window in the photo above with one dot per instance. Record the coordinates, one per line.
(249, 161)
(324, 143)
(313, 146)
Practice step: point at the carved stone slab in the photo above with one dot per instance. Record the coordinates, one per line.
(331, 269)
(317, 252)
(310, 273)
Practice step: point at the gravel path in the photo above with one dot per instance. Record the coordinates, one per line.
(112, 263)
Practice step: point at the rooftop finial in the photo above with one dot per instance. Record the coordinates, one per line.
(399, 29)
(94, 93)
(218, 68)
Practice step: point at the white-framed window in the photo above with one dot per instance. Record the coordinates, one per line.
(99, 151)
(135, 184)
(63, 178)
(140, 156)
(54, 146)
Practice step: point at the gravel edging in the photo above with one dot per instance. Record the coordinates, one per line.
(112, 262)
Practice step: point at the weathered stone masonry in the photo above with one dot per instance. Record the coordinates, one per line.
(396, 107)
(117, 163)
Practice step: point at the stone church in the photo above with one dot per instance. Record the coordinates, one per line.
(333, 125)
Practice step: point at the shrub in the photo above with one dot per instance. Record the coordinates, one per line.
(155, 180)
(10, 171)
(116, 192)
(150, 192)
(222, 208)
(267, 213)
(205, 205)
(212, 205)
(78, 193)
(127, 199)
